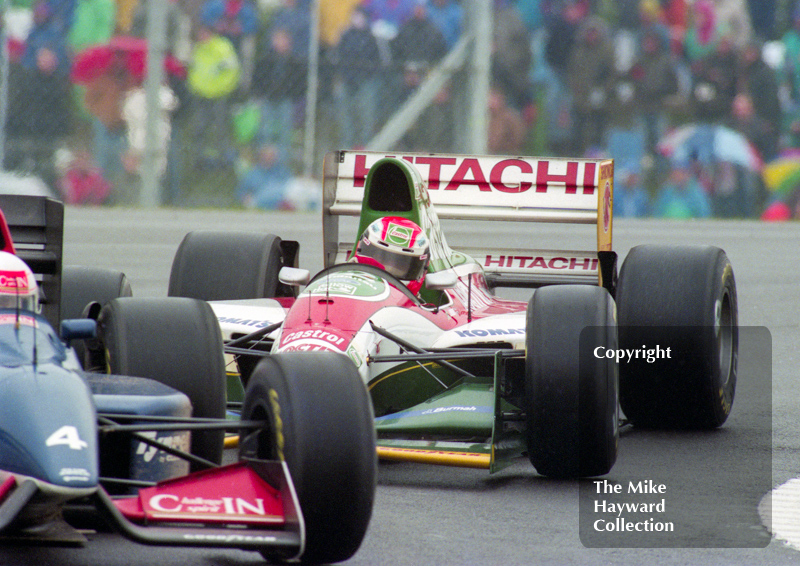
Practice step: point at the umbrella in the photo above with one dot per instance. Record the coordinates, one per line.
(120, 54)
(708, 144)
(782, 174)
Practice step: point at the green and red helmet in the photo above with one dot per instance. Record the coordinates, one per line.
(396, 245)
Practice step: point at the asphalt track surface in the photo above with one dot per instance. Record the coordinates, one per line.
(436, 515)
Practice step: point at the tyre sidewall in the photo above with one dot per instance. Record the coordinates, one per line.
(683, 298)
(572, 403)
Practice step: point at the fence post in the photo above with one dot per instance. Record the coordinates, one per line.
(311, 93)
(5, 67)
(482, 19)
(156, 32)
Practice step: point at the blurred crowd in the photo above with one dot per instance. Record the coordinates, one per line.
(698, 101)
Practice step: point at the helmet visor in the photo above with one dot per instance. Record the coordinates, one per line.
(407, 267)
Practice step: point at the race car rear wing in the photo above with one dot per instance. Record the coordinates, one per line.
(500, 188)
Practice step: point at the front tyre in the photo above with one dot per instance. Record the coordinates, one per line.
(321, 424)
(571, 395)
(683, 298)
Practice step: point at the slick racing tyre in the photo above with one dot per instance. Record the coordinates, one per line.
(219, 266)
(681, 298)
(321, 425)
(177, 342)
(571, 394)
(84, 291)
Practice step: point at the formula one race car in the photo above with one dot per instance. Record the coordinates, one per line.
(145, 451)
(456, 375)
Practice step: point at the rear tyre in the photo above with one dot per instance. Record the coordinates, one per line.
(572, 395)
(683, 298)
(84, 291)
(321, 424)
(219, 266)
(176, 341)
(81, 285)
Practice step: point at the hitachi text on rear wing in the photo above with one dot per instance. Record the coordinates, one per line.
(500, 188)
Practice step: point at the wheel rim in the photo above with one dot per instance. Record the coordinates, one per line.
(265, 448)
(725, 337)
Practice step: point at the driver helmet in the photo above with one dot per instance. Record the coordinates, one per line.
(18, 288)
(396, 245)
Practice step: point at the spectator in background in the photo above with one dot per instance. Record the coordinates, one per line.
(103, 97)
(656, 80)
(52, 20)
(448, 15)
(511, 55)
(334, 19)
(715, 83)
(233, 19)
(676, 19)
(179, 46)
(534, 12)
(264, 184)
(93, 24)
(676, 16)
(278, 82)
(682, 196)
(294, 16)
(733, 18)
(629, 19)
(213, 75)
(590, 75)
(625, 139)
(359, 65)
(506, 126)
(417, 47)
(126, 11)
(562, 31)
(390, 14)
(418, 40)
(82, 181)
(652, 20)
(134, 112)
(630, 198)
(61, 14)
(791, 67)
(762, 17)
(759, 108)
(237, 21)
(703, 33)
(41, 115)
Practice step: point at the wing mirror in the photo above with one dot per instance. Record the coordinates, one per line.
(440, 280)
(78, 329)
(293, 276)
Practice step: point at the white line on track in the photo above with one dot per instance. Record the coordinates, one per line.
(780, 512)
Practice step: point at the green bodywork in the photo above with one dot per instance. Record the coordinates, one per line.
(466, 414)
